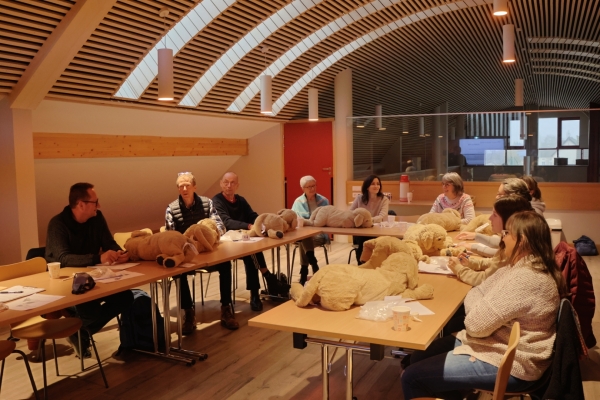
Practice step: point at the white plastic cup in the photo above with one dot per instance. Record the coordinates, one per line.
(300, 223)
(245, 236)
(391, 219)
(54, 270)
(401, 316)
(403, 226)
(409, 196)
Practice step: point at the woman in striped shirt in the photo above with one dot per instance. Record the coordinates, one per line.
(454, 196)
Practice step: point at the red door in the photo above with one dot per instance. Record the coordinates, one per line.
(308, 150)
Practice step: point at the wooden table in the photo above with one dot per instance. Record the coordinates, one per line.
(315, 321)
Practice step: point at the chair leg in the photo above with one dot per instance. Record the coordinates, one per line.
(55, 356)
(233, 267)
(193, 288)
(326, 257)
(98, 359)
(28, 372)
(202, 288)
(350, 255)
(207, 283)
(293, 257)
(81, 353)
(43, 344)
(1, 374)
(119, 322)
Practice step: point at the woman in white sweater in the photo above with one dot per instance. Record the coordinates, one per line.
(373, 200)
(528, 291)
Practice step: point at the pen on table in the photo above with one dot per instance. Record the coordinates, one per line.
(11, 292)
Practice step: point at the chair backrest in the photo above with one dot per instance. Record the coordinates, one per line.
(507, 362)
(163, 228)
(23, 268)
(121, 237)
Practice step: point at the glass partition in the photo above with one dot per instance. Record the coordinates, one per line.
(552, 146)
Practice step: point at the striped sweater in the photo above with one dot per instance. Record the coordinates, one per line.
(462, 204)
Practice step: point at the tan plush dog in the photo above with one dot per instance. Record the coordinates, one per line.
(449, 219)
(376, 251)
(477, 222)
(338, 287)
(168, 248)
(205, 235)
(431, 238)
(336, 218)
(274, 225)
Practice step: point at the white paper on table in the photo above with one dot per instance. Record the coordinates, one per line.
(418, 307)
(119, 276)
(117, 267)
(33, 301)
(434, 268)
(252, 239)
(186, 265)
(26, 291)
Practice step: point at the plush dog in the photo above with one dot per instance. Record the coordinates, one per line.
(290, 217)
(338, 287)
(376, 251)
(273, 225)
(477, 222)
(449, 219)
(205, 235)
(336, 218)
(168, 248)
(431, 238)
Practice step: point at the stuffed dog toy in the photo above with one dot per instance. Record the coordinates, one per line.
(431, 238)
(274, 225)
(205, 235)
(477, 222)
(338, 287)
(168, 248)
(376, 251)
(336, 218)
(449, 219)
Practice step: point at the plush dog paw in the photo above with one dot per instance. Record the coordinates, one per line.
(169, 263)
(279, 234)
(160, 260)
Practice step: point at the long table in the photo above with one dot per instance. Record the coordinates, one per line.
(343, 325)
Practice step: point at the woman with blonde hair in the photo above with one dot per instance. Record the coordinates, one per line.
(454, 197)
(536, 194)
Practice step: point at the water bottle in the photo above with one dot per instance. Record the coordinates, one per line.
(404, 188)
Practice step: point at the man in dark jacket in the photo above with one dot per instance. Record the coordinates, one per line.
(79, 237)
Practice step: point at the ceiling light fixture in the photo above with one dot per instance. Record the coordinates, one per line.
(378, 113)
(165, 66)
(313, 100)
(500, 7)
(360, 124)
(266, 91)
(405, 126)
(508, 43)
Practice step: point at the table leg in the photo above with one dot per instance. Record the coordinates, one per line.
(349, 374)
(166, 314)
(153, 291)
(289, 263)
(178, 297)
(324, 371)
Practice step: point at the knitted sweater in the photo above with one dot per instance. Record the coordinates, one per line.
(378, 207)
(463, 204)
(522, 293)
(478, 270)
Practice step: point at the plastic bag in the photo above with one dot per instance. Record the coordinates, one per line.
(585, 246)
(378, 310)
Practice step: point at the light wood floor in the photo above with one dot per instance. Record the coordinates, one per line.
(249, 363)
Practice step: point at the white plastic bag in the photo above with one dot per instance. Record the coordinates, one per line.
(378, 310)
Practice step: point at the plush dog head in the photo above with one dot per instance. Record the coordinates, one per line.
(290, 217)
(362, 218)
(478, 222)
(449, 219)
(431, 238)
(205, 234)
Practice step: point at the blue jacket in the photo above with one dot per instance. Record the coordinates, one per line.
(301, 205)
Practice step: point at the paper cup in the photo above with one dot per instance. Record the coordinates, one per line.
(54, 270)
(391, 219)
(300, 222)
(409, 196)
(401, 316)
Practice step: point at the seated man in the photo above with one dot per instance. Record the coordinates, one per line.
(236, 213)
(182, 213)
(79, 237)
(304, 206)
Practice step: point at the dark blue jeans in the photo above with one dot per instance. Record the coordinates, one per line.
(436, 372)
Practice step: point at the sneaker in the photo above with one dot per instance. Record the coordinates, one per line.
(228, 318)
(85, 342)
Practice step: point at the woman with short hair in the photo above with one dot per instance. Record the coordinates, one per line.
(454, 197)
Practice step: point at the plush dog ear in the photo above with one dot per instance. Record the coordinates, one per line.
(427, 238)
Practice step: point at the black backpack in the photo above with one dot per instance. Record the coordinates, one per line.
(136, 324)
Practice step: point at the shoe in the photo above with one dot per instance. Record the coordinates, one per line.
(189, 321)
(85, 343)
(255, 303)
(303, 274)
(284, 287)
(272, 284)
(228, 317)
(312, 260)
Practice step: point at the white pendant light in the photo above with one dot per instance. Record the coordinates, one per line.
(508, 43)
(378, 123)
(266, 97)
(405, 126)
(500, 7)
(422, 126)
(518, 92)
(166, 91)
(313, 104)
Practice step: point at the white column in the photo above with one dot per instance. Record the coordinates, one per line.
(18, 207)
(342, 141)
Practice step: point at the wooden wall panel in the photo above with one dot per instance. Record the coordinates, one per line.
(557, 196)
(77, 145)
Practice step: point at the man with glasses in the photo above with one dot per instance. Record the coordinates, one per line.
(79, 237)
(304, 206)
(236, 213)
(187, 210)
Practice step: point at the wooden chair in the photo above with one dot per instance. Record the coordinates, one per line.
(505, 365)
(7, 347)
(43, 329)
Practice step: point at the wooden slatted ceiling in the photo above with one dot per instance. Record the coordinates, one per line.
(452, 57)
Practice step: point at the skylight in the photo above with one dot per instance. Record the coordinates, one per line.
(184, 31)
(239, 50)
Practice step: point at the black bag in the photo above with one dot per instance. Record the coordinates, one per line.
(136, 324)
(585, 246)
(82, 282)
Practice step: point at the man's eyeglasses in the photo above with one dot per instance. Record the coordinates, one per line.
(504, 233)
(93, 202)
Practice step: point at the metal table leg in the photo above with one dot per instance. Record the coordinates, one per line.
(349, 374)
(178, 349)
(324, 371)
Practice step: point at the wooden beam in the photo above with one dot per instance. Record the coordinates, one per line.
(79, 145)
(58, 51)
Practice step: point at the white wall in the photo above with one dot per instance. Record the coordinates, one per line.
(134, 192)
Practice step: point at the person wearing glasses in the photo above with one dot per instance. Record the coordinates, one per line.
(304, 206)
(79, 237)
(236, 213)
(188, 209)
(454, 197)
